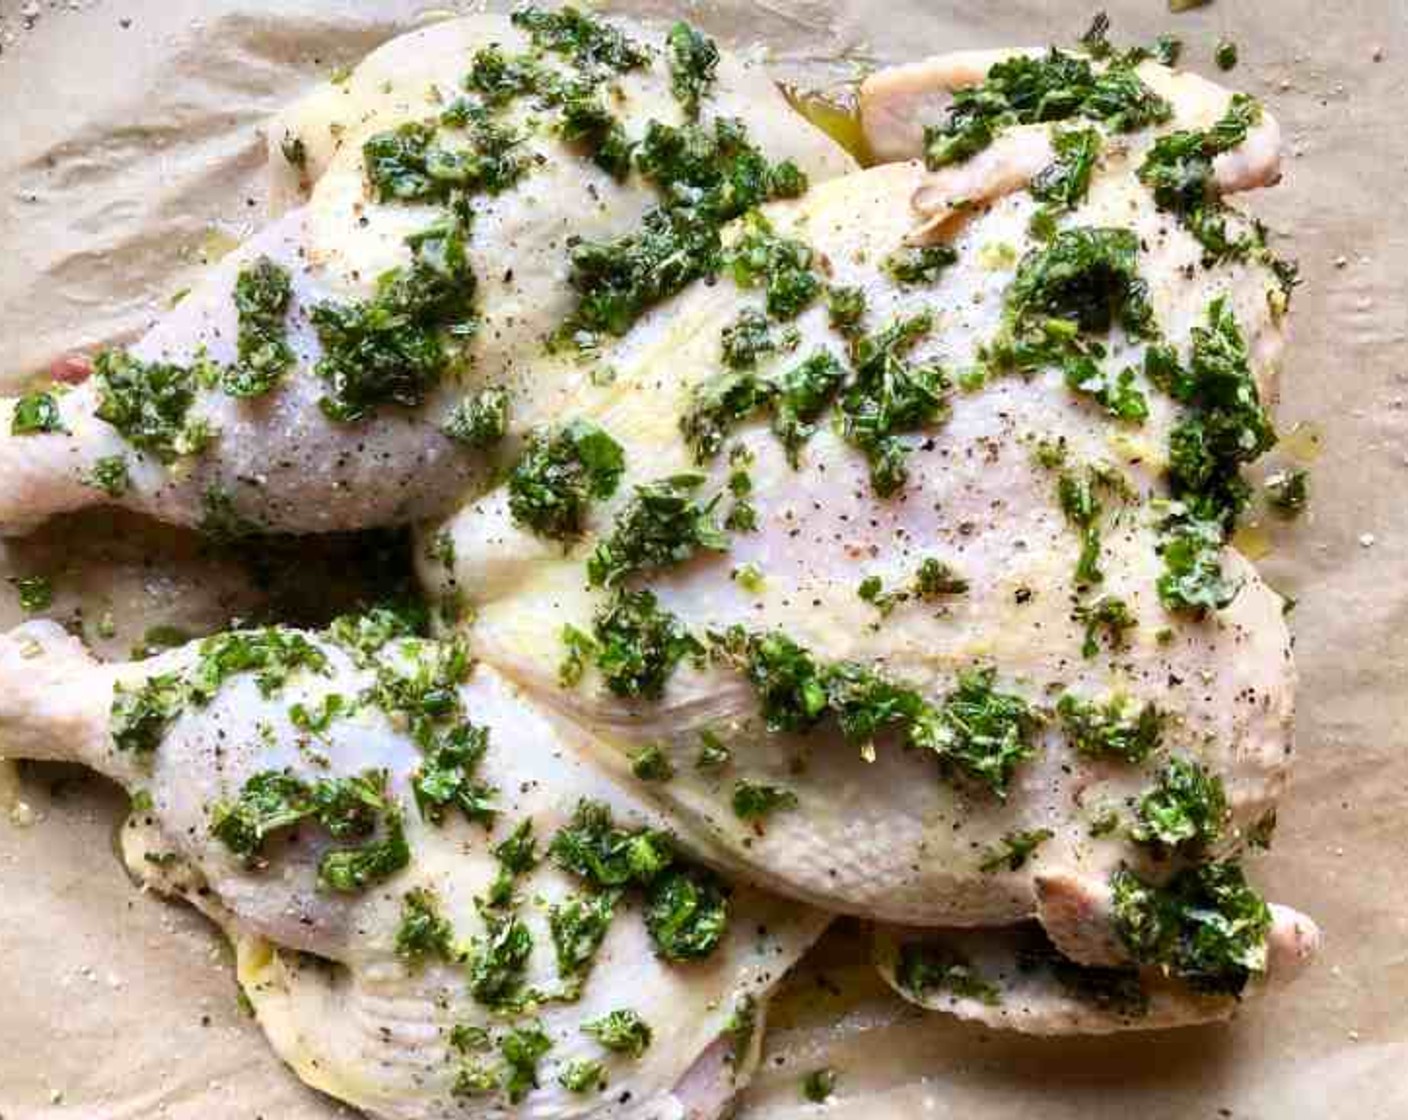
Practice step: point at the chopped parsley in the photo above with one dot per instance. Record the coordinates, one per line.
(498, 961)
(889, 396)
(582, 1076)
(1206, 926)
(262, 294)
(36, 413)
(713, 754)
(522, 1049)
(407, 164)
(1015, 850)
(588, 124)
(803, 393)
(149, 404)
(706, 177)
(819, 1084)
(445, 779)
(394, 348)
(586, 40)
(1225, 55)
(480, 421)
(578, 926)
(1193, 581)
(423, 933)
(1082, 509)
(36, 593)
(347, 808)
(273, 654)
(936, 579)
(782, 266)
(686, 913)
(663, 525)
(752, 801)
(983, 733)
(1109, 615)
(694, 61)
(517, 854)
(559, 474)
(634, 643)
(925, 969)
(110, 475)
(1185, 811)
(652, 764)
(1063, 183)
(622, 1032)
(845, 309)
(1179, 170)
(1113, 729)
(1028, 90)
(919, 265)
(594, 849)
(750, 338)
(140, 717)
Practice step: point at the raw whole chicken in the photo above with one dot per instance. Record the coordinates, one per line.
(864, 536)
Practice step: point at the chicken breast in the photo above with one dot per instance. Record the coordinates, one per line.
(375, 308)
(437, 966)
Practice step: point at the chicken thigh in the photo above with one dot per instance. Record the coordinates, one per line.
(437, 908)
(346, 367)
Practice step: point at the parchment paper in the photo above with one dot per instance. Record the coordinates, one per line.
(129, 150)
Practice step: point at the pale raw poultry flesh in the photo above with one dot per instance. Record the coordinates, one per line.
(883, 822)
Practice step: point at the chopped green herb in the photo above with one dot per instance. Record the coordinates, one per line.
(273, 654)
(522, 1049)
(585, 39)
(594, 849)
(587, 123)
(920, 265)
(1225, 55)
(740, 1028)
(1186, 810)
(423, 933)
(474, 1079)
(622, 1031)
(1108, 615)
(1028, 90)
(752, 801)
(936, 578)
(1193, 581)
(582, 1076)
(498, 960)
(517, 853)
(637, 646)
(661, 526)
(652, 764)
(694, 61)
(500, 78)
(1015, 850)
(890, 396)
(579, 925)
(1113, 729)
(783, 266)
(980, 731)
(750, 338)
(36, 593)
(1062, 184)
(480, 421)
(558, 476)
(394, 348)
(36, 413)
(149, 404)
(925, 969)
(140, 718)
(1206, 926)
(713, 754)
(686, 913)
(818, 1085)
(262, 294)
(845, 308)
(803, 392)
(445, 779)
(717, 405)
(110, 475)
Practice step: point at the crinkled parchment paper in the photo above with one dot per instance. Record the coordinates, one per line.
(130, 151)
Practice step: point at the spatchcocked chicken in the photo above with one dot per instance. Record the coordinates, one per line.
(797, 539)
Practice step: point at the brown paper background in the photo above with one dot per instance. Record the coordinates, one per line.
(122, 148)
